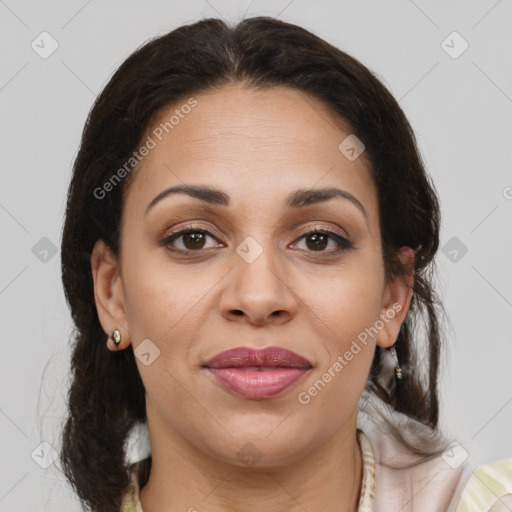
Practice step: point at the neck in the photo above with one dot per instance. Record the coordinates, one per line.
(184, 478)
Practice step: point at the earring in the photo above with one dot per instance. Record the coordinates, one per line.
(398, 370)
(116, 336)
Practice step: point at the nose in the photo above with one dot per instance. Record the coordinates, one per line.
(258, 292)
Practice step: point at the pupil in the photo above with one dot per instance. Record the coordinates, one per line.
(318, 238)
(194, 239)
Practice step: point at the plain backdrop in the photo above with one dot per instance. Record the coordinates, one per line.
(458, 100)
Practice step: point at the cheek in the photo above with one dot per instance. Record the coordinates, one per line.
(349, 346)
(159, 295)
(348, 309)
(166, 304)
(152, 307)
(348, 300)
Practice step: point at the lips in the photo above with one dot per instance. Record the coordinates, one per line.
(246, 357)
(257, 374)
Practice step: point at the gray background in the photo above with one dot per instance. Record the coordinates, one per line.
(460, 108)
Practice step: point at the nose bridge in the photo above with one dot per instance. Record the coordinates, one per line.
(258, 285)
(258, 265)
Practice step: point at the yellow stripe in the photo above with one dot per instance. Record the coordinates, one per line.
(486, 486)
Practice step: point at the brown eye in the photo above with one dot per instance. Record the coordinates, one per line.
(193, 240)
(317, 240)
(188, 240)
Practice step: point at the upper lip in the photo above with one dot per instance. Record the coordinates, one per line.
(247, 357)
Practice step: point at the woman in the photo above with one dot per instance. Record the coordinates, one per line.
(247, 255)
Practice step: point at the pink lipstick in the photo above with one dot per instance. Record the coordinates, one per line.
(257, 374)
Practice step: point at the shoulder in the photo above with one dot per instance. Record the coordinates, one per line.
(446, 482)
(488, 488)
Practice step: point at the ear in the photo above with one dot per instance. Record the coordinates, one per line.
(108, 294)
(396, 300)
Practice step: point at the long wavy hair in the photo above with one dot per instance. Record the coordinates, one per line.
(107, 397)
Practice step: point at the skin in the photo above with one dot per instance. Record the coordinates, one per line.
(257, 146)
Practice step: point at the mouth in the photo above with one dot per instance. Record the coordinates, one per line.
(257, 374)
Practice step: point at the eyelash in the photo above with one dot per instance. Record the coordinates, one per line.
(343, 243)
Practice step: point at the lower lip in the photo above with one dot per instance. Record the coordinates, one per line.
(257, 385)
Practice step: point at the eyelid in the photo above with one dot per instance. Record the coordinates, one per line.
(327, 227)
(166, 233)
(339, 236)
(317, 225)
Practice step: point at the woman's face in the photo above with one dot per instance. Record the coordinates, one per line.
(247, 275)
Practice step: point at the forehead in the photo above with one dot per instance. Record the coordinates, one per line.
(257, 145)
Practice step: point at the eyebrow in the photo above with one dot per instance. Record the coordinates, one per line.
(297, 199)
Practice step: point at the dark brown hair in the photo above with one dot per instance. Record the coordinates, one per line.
(106, 397)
